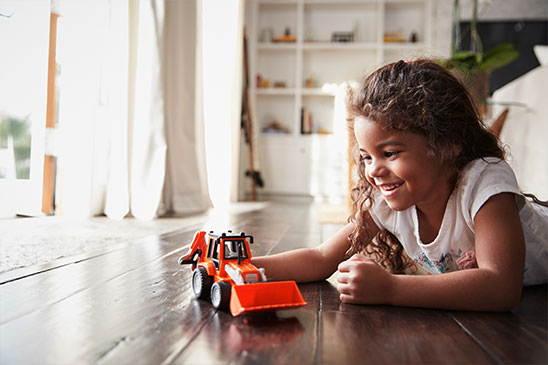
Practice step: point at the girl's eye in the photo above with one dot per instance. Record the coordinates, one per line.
(365, 158)
(389, 154)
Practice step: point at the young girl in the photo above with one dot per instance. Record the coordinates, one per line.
(433, 190)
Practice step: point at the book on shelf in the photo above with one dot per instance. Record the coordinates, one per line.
(306, 121)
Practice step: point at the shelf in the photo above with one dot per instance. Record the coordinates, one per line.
(316, 59)
(295, 138)
(341, 3)
(291, 91)
(394, 46)
(399, 2)
(332, 46)
(314, 56)
(273, 46)
(275, 91)
(316, 92)
(277, 2)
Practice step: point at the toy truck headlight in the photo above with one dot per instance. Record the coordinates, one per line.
(263, 274)
(251, 278)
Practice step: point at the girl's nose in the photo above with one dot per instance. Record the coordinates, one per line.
(375, 169)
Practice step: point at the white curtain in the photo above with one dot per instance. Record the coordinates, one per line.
(222, 50)
(131, 120)
(186, 188)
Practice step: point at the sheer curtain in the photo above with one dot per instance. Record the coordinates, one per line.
(222, 51)
(132, 124)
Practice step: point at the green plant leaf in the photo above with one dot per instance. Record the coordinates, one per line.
(498, 57)
(463, 56)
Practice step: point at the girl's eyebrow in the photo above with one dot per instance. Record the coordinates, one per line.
(386, 143)
(390, 143)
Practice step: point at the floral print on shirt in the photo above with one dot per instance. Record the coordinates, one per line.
(450, 261)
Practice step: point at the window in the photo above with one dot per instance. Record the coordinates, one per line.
(231, 249)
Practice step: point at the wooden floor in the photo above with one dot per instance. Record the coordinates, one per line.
(135, 305)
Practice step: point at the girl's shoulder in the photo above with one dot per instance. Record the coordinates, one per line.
(482, 178)
(486, 165)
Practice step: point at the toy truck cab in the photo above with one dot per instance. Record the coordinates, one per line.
(222, 271)
(231, 258)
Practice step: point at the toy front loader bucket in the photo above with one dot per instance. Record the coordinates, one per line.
(266, 296)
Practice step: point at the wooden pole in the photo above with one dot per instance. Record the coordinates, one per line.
(48, 184)
(248, 125)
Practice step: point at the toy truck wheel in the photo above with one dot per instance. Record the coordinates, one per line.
(201, 283)
(220, 295)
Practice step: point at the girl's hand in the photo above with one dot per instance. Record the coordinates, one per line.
(362, 281)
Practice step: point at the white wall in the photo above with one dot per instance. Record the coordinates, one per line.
(506, 9)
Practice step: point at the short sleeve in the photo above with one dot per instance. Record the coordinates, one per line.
(483, 179)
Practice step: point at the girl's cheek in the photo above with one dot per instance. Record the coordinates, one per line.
(368, 178)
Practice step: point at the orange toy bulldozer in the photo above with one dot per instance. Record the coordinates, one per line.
(222, 271)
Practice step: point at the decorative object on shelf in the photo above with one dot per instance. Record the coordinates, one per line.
(342, 37)
(280, 84)
(414, 37)
(286, 37)
(267, 35)
(261, 82)
(394, 37)
(306, 121)
(275, 127)
(474, 66)
(324, 131)
(310, 82)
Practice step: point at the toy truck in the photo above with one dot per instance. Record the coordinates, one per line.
(222, 272)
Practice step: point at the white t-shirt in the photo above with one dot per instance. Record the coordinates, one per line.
(453, 248)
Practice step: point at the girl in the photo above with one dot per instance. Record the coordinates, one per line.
(434, 190)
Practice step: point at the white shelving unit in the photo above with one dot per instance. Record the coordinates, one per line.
(288, 159)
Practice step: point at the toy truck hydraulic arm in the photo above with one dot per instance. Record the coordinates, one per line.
(192, 258)
(196, 252)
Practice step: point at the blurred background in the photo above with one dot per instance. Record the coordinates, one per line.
(153, 108)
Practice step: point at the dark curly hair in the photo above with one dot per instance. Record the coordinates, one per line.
(418, 97)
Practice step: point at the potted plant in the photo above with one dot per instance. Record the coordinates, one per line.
(474, 66)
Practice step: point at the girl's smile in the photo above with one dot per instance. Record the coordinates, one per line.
(398, 165)
(389, 190)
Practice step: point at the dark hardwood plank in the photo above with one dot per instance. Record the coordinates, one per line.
(104, 320)
(395, 335)
(284, 337)
(384, 334)
(131, 305)
(135, 305)
(520, 336)
(30, 291)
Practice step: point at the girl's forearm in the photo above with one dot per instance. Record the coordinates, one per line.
(472, 289)
(301, 265)
(307, 264)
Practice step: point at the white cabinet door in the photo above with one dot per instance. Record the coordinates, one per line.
(285, 163)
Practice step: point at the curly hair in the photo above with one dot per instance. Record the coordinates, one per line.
(423, 98)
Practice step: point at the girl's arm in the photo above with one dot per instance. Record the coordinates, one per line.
(307, 264)
(494, 286)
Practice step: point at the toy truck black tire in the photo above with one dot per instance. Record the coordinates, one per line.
(220, 295)
(201, 283)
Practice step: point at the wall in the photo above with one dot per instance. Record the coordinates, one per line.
(490, 10)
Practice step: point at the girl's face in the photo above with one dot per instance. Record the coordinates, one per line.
(399, 167)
